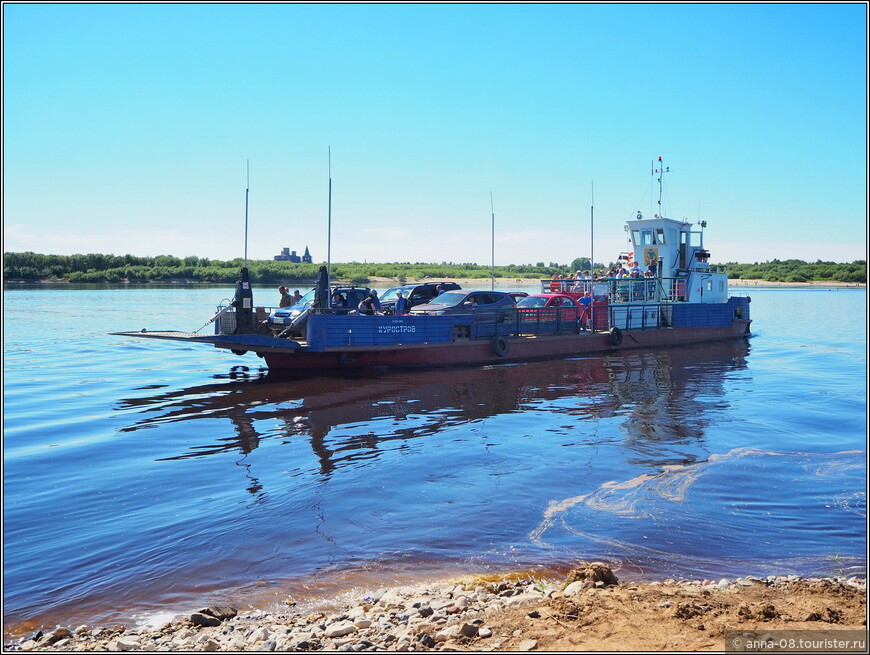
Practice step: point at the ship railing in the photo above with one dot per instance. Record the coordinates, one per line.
(570, 320)
(647, 316)
(225, 319)
(528, 321)
(634, 290)
(550, 320)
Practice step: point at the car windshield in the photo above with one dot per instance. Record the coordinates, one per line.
(449, 298)
(390, 295)
(532, 301)
(305, 300)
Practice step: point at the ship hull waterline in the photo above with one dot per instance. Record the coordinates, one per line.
(483, 352)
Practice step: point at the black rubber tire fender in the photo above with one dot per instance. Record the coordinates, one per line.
(500, 346)
(615, 336)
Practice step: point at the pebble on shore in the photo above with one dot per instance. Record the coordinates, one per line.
(447, 615)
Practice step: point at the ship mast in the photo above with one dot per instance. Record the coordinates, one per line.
(329, 222)
(661, 170)
(492, 210)
(247, 192)
(592, 232)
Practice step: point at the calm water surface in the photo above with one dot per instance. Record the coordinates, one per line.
(143, 479)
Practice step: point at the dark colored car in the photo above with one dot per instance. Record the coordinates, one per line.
(465, 302)
(517, 295)
(415, 294)
(350, 298)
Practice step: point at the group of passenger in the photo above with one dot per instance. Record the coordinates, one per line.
(368, 306)
(288, 300)
(631, 270)
(371, 304)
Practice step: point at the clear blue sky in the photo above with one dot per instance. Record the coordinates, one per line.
(127, 128)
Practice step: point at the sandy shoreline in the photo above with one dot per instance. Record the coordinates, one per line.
(590, 610)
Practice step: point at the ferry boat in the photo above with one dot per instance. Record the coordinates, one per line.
(686, 301)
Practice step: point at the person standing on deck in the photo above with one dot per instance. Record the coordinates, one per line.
(401, 304)
(286, 298)
(366, 306)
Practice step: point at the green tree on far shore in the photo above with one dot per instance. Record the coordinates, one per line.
(98, 268)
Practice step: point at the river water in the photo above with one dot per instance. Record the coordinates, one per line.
(145, 478)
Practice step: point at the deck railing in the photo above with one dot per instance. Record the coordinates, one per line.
(630, 289)
(600, 316)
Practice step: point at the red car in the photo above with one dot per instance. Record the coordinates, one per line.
(542, 306)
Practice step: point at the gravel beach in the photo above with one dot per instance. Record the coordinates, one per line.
(591, 610)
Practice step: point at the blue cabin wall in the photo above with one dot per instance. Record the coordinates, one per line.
(335, 331)
(329, 331)
(710, 314)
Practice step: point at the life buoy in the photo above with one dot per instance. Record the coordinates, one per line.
(615, 336)
(500, 346)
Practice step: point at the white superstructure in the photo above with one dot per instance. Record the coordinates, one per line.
(679, 255)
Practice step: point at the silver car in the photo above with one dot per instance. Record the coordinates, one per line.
(465, 302)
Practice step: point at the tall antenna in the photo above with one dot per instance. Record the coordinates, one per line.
(247, 192)
(329, 223)
(492, 209)
(661, 170)
(592, 232)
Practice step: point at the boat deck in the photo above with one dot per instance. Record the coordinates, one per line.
(166, 334)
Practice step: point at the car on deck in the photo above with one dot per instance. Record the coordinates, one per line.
(461, 301)
(415, 294)
(545, 307)
(296, 315)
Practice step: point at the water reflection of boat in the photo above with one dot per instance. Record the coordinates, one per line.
(660, 393)
(677, 299)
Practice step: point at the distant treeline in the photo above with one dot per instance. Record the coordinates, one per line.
(796, 270)
(32, 267)
(95, 268)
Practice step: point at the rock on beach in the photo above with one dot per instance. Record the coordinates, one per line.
(479, 613)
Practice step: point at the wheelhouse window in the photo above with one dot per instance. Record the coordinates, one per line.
(642, 237)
